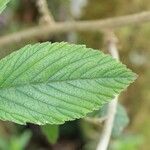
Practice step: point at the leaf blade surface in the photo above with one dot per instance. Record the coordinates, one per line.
(3, 4)
(53, 83)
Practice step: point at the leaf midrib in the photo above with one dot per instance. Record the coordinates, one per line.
(60, 81)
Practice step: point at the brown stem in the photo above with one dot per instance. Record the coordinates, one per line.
(62, 27)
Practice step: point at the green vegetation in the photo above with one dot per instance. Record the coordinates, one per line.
(53, 83)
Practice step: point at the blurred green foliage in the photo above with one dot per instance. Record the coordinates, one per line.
(51, 132)
(15, 142)
(126, 143)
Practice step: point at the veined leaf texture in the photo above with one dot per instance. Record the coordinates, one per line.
(53, 83)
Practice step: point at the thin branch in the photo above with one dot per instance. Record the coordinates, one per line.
(95, 121)
(62, 27)
(112, 106)
(46, 16)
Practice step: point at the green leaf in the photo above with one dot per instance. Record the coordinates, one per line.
(121, 121)
(3, 4)
(121, 118)
(51, 132)
(54, 83)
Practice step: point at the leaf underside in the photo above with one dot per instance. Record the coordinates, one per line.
(54, 83)
(3, 4)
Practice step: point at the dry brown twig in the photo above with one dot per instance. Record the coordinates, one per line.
(46, 16)
(62, 27)
(95, 121)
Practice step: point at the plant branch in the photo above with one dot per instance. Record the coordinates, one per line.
(112, 106)
(62, 27)
(96, 121)
(46, 16)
